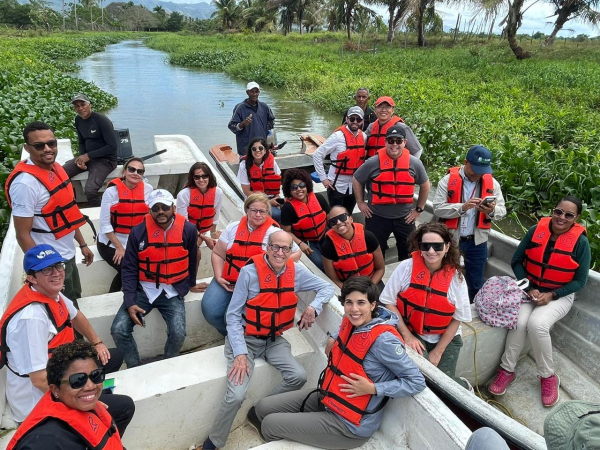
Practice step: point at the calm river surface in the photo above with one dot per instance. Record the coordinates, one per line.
(158, 98)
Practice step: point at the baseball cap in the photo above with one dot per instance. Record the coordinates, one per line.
(480, 159)
(356, 111)
(81, 97)
(252, 85)
(40, 257)
(396, 131)
(388, 100)
(160, 196)
(573, 425)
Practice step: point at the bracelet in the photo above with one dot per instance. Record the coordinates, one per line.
(97, 343)
(82, 246)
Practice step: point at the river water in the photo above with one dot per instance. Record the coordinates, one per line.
(156, 97)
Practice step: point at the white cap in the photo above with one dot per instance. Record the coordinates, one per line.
(252, 85)
(160, 196)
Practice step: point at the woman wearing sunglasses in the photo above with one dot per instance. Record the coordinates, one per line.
(304, 214)
(259, 172)
(69, 415)
(429, 292)
(124, 205)
(200, 203)
(555, 257)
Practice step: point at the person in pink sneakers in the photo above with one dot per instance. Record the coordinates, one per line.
(555, 257)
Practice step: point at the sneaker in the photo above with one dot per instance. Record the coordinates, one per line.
(208, 445)
(253, 420)
(550, 393)
(502, 381)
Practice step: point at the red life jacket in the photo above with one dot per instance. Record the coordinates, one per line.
(57, 312)
(354, 259)
(245, 245)
(352, 158)
(265, 179)
(164, 261)
(273, 310)
(376, 139)
(61, 212)
(130, 210)
(424, 306)
(311, 218)
(346, 357)
(201, 210)
(455, 185)
(95, 427)
(561, 266)
(394, 184)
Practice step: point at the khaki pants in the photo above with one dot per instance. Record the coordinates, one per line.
(535, 322)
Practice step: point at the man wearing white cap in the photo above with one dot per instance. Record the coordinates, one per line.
(158, 271)
(250, 119)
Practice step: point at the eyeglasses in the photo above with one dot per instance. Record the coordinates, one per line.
(160, 207)
(41, 146)
(354, 119)
(436, 246)
(393, 141)
(284, 248)
(334, 220)
(294, 187)
(559, 213)
(60, 267)
(79, 380)
(260, 148)
(134, 170)
(200, 177)
(262, 212)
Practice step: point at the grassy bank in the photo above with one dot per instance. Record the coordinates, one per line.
(540, 117)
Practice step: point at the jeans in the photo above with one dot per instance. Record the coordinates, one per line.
(316, 257)
(72, 289)
(382, 228)
(214, 305)
(98, 170)
(334, 198)
(173, 312)
(475, 258)
(121, 407)
(276, 214)
(107, 252)
(486, 439)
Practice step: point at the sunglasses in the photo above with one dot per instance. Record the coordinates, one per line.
(354, 119)
(294, 187)
(60, 267)
(394, 141)
(436, 246)
(334, 220)
(559, 213)
(260, 148)
(134, 170)
(41, 146)
(160, 207)
(200, 177)
(79, 380)
(283, 248)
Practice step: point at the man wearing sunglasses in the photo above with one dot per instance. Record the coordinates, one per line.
(346, 149)
(97, 148)
(158, 270)
(39, 319)
(460, 202)
(262, 307)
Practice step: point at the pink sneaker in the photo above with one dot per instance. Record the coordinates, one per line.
(550, 390)
(502, 381)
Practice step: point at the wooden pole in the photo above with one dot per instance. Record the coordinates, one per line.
(456, 27)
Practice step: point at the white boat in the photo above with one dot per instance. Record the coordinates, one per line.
(177, 399)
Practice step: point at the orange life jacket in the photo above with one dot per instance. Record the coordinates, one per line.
(164, 261)
(424, 306)
(561, 266)
(311, 218)
(354, 259)
(272, 311)
(245, 245)
(130, 210)
(57, 312)
(95, 427)
(352, 158)
(455, 185)
(346, 357)
(376, 139)
(61, 212)
(394, 184)
(265, 179)
(201, 210)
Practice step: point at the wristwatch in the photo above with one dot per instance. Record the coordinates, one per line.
(419, 209)
(554, 295)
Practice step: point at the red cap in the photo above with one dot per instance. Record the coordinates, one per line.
(388, 100)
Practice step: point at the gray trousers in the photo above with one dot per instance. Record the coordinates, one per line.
(282, 419)
(277, 353)
(98, 170)
(72, 289)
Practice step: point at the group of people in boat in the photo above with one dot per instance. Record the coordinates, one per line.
(153, 241)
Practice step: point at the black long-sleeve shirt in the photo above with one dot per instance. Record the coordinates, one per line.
(96, 136)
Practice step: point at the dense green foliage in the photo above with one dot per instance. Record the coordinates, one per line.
(540, 118)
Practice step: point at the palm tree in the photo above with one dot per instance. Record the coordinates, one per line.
(397, 12)
(583, 10)
(227, 12)
(260, 16)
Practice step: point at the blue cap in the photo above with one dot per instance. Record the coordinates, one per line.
(480, 159)
(41, 256)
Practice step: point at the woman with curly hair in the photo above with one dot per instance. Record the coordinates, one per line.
(304, 214)
(429, 292)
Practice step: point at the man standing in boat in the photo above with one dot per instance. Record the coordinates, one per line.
(390, 178)
(467, 199)
(263, 306)
(158, 270)
(97, 148)
(43, 204)
(250, 119)
(362, 101)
